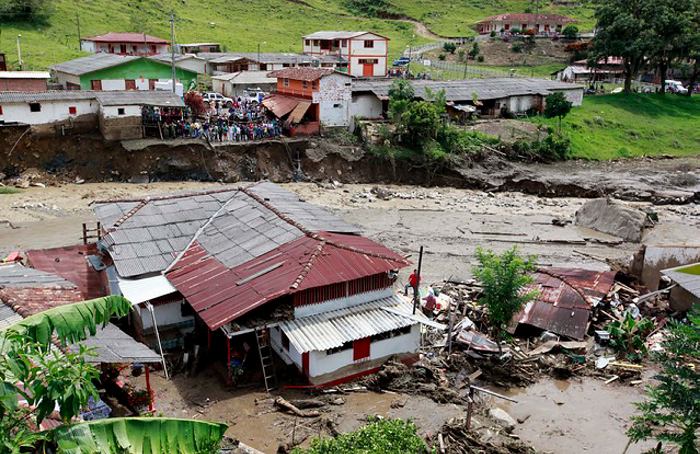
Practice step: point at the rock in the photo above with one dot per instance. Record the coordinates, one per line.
(612, 218)
(502, 418)
(139, 179)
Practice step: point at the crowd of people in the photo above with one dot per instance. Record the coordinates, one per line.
(243, 120)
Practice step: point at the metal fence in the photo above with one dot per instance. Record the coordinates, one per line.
(459, 70)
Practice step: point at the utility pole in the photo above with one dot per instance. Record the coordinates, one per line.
(77, 21)
(172, 50)
(466, 63)
(416, 293)
(19, 52)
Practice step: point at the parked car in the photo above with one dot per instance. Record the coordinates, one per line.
(254, 95)
(213, 96)
(402, 61)
(674, 86)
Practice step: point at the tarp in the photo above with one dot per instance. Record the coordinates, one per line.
(298, 112)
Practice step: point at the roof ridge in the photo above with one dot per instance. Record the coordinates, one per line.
(168, 196)
(128, 215)
(307, 266)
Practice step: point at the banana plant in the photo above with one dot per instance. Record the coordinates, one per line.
(628, 335)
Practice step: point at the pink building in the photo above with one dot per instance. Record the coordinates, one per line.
(125, 44)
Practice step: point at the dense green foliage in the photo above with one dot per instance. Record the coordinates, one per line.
(570, 31)
(36, 11)
(672, 412)
(504, 278)
(141, 435)
(385, 436)
(551, 148)
(629, 125)
(557, 106)
(628, 335)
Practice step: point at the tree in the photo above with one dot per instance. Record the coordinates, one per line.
(570, 31)
(622, 30)
(401, 94)
(195, 102)
(672, 412)
(47, 378)
(25, 10)
(556, 105)
(503, 279)
(450, 47)
(474, 50)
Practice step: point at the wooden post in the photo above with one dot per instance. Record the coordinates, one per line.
(416, 295)
(208, 340)
(228, 359)
(151, 406)
(84, 233)
(450, 316)
(470, 407)
(99, 231)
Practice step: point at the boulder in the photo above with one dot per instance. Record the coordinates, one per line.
(502, 418)
(613, 218)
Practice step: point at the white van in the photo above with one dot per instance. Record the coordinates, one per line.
(675, 86)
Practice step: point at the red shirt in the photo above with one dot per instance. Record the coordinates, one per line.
(413, 280)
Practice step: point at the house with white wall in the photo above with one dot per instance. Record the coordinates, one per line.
(366, 53)
(124, 44)
(262, 269)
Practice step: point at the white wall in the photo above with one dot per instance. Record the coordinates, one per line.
(358, 52)
(113, 84)
(113, 111)
(365, 105)
(333, 96)
(521, 103)
(320, 363)
(51, 111)
(166, 314)
(63, 78)
(574, 96)
(291, 356)
(340, 303)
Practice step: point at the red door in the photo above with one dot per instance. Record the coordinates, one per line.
(360, 349)
(305, 363)
(152, 84)
(367, 69)
(130, 84)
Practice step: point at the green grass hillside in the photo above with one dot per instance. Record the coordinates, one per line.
(242, 24)
(620, 126)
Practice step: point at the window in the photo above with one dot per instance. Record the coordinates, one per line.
(285, 82)
(34, 107)
(336, 43)
(368, 61)
(369, 43)
(96, 84)
(308, 42)
(134, 48)
(130, 84)
(337, 106)
(314, 84)
(121, 111)
(344, 43)
(305, 84)
(315, 43)
(507, 27)
(285, 340)
(72, 110)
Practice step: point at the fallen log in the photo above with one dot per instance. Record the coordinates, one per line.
(307, 403)
(286, 405)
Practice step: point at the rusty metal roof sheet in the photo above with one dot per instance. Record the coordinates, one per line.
(280, 105)
(565, 298)
(220, 294)
(332, 329)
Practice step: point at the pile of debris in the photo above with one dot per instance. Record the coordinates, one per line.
(455, 437)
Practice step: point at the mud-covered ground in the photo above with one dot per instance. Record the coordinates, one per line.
(579, 416)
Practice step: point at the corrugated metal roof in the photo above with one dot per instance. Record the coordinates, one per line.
(464, 90)
(112, 345)
(126, 37)
(280, 105)
(330, 34)
(529, 18)
(689, 281)
(220, 294)
(91, 63)
(40, 96)
(25, 75)
(305, 74)
(145, 289)
(247, 77)
(565, 298)
(332, 329)
(167, 58)
(140, 98)
(16, 275)
(8, 316)
(311, 217)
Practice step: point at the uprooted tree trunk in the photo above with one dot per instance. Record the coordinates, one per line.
(291, 408)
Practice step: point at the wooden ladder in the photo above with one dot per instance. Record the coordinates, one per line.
(262, 336)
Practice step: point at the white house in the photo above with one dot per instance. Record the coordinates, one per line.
(124, 44)
(238, 83)
(366, 52)
(48, 107)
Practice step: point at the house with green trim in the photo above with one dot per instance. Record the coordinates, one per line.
(109, 72)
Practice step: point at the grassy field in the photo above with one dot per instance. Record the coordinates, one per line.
(240, 25)
(620, 126)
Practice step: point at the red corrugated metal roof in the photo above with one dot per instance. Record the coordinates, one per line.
(127, 37)
(71, 264)
(529, 17)
(220, 294)
(301, 73)
(280, 105)
(565, 298)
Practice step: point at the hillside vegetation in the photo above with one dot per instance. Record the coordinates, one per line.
(630, 125)
(242, 24)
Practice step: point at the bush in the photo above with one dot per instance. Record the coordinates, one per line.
(515, 31)
(26, 10)
(517, 48)
(449, 47)
(552, 148)
(480, 58)
(474, 50)
(492, 34)
(460, 54)
(570, 32)
(386, 436)
(442, 57)
(529, 32)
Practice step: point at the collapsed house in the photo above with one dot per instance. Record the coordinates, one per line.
(257, 266)
(686, 291)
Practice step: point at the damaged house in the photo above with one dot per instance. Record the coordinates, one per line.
(257, 268)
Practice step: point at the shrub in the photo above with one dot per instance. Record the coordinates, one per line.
(529, 32)
(442, 57)
(552, 148)
(474, 50)
(517, 48)
(570, 32)
(449, 47)
(480, 58)
(492, 34)
(628, 336)
(460, 54)
(515, 31)
(386, 436)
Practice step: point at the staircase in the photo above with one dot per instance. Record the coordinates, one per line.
(262, 336)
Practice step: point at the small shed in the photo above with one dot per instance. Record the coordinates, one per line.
(239, 83)
(24, 80)
(134, 115)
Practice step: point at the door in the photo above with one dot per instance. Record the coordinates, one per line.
(360, 349)
(122, 48)
(130, 84)
(96, 85)
(152, 84)
(367, 69)
(305, 363)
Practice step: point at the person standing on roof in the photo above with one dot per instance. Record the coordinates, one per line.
(413, 282)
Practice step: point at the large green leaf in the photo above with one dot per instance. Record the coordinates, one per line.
(140, 436)
(71, 321)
